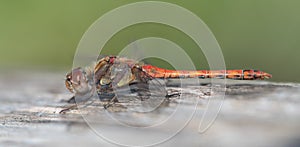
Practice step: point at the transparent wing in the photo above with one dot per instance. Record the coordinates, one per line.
(136, 90)
(149, 95)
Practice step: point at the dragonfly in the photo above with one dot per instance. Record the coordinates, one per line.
(112, 73)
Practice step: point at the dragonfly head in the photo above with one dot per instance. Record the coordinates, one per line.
(77, 81)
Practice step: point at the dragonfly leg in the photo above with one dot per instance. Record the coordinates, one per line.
(74, 105)
(111, 102)
(173, 95)
(70, 100)
(63, 111)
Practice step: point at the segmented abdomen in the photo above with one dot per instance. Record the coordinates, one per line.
(230, 74)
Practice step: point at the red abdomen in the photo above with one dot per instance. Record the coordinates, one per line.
(230, 74)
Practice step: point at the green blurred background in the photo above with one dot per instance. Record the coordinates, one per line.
(259, 34)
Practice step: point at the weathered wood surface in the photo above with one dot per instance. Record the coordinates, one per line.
(253, 114)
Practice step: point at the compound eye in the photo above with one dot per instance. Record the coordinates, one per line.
(76, 76)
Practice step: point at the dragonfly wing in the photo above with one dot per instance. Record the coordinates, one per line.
(121, 76)
(150, 91)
